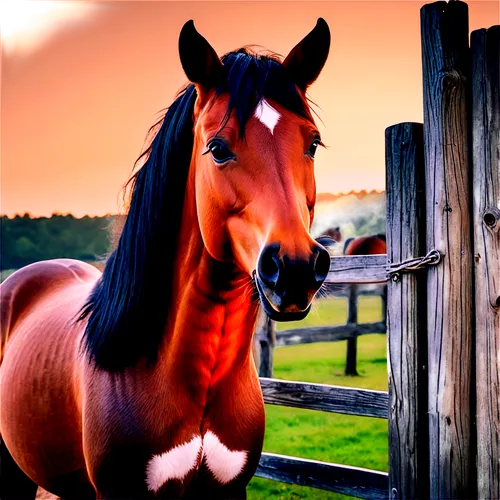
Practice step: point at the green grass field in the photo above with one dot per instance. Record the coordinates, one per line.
(329, 437)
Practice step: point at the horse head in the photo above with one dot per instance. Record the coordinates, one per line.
(232, 165)
(253, 165)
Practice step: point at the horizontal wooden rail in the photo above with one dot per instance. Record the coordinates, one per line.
(358, 269)
(326, 333)
(323, 397)
(353, 481)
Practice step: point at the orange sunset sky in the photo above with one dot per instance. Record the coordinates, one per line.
(81, 85)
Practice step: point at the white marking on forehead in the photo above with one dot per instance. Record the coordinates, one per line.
(223, 463)
(267, 114)
(174, 464)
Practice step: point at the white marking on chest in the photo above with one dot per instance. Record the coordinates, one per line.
(267, 114)
(174, 464)
(223, 463)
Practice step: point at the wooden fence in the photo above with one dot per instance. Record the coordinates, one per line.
(266, 337)
(443, 273)
(352, 318)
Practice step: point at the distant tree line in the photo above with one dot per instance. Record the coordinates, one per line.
(24, 240)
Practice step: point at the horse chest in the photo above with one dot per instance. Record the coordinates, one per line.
(202, 453)
(226, 443)
(167, 441)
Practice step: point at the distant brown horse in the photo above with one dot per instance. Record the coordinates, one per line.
(334, 234)
(366, 245)
(139, 382)
(362, 245)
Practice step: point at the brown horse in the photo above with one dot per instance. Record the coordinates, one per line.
(365, 245)
(330, 238)
(140, 383)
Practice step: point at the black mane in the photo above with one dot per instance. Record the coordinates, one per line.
(128, 307)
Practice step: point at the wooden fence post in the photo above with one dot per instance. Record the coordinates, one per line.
(446, 60)
(406, 325)
(352, 343)
(485, 46)
(264, 341)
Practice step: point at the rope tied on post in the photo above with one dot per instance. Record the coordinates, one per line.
(432, 258)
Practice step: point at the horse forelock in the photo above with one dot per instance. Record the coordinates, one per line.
(252, 77)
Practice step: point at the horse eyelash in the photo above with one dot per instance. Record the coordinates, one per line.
(320, 142)
(207, 150)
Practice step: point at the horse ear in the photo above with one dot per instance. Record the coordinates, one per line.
(198, 58)
(306, 60)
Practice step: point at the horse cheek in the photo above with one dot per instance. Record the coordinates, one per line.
(214, 233)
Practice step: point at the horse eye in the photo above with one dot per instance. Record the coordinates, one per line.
(313, 147)
(220, 152)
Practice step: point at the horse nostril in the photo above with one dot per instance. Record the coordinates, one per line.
(269, 266)
(321, 265)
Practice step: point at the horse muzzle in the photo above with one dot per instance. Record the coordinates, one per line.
(287, 286)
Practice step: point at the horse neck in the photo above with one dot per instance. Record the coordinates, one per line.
(209, 332)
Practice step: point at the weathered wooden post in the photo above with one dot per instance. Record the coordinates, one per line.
(446, 59)
(352, 343)
(485, 46)
(406, 324)
(263, 344)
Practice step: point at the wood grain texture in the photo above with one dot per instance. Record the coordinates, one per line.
(406, 325)
(326, 333)
(353, 481)
(485, 46)
(445, 58)
(357, 269)
(323, 397)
